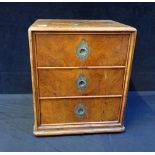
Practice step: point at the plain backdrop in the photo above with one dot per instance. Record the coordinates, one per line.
(16, 111)
(15, 18)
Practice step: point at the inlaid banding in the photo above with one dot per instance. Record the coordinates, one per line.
(85, 67)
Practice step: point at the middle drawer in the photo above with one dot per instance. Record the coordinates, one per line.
(80, 82)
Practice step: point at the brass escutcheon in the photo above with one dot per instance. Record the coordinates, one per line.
(81, 82)
(82, 50)
(80, 110)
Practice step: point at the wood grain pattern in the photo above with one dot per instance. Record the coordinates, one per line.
(58, 82)
(55, 68)
(57, 50)
(62, 111)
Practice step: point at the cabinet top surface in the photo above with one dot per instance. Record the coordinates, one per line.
(78, 25)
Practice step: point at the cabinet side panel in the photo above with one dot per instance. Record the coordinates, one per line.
(34, 77)
(129, 61)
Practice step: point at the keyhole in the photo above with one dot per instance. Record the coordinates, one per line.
(80, 111)
(83, 52)
(82, 83)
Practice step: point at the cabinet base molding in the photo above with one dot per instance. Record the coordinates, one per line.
(43, 131)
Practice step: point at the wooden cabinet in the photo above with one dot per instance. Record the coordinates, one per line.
(80, 75)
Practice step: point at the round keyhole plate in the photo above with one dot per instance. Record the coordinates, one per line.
(80, 110)
(81, 82)
(82, 50)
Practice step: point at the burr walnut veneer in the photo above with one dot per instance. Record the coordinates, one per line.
(80, 75)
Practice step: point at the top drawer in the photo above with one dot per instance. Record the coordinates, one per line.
(73, 50)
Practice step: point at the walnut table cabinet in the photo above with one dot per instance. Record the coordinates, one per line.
(80, 75)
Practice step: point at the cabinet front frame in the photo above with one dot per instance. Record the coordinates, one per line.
(34, 74)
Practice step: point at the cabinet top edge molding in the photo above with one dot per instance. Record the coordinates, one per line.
(79, 25)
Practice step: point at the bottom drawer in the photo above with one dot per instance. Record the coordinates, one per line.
(79, 110)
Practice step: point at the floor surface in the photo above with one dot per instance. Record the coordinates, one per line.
(16, 124)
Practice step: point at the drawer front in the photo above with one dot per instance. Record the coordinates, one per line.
(77, 82)
(69, 50)
(79, 110)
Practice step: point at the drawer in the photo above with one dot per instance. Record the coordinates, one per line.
(77, 82)
(69, 50)
(79, 110)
